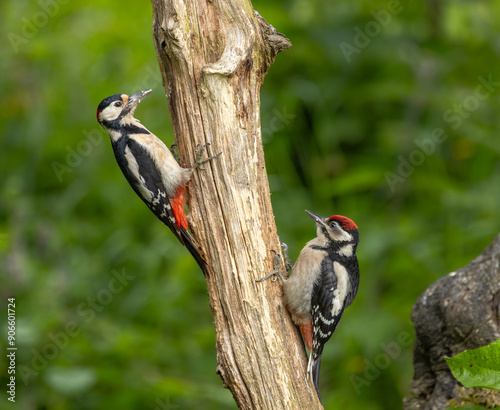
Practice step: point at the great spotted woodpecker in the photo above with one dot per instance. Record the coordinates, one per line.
(322, 283)
(150, 167)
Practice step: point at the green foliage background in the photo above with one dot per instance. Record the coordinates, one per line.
(333, 128)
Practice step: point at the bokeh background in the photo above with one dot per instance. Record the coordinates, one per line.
(111, 310)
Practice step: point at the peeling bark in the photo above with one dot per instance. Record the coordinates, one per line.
(459, 312)
(213, 57)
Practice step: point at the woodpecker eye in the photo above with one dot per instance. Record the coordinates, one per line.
(333, 225)
(118, 104)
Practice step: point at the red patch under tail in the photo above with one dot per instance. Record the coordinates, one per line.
(307, 334)
(178, 210)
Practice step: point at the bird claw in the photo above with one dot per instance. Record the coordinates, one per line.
(199, 153)
(288, 262)
(175, 152)
(275, 272)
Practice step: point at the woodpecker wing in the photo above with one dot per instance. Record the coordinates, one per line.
(352, 266)
(144, 177)
(327, 303)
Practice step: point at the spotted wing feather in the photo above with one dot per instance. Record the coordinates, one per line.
(142, 168)
(325, 317)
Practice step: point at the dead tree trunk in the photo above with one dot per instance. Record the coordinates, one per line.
(459, 312)
(213, 57)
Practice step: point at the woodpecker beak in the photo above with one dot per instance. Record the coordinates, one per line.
(135, 99)
(318, 219)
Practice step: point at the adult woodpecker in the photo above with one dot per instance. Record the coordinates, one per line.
(150, 167)
(322, 283)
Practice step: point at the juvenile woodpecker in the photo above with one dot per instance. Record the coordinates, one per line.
(322, 283)
(150, 167)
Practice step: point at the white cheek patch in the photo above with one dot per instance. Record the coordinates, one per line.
(110, 113)
(340, 293)
(340, 235)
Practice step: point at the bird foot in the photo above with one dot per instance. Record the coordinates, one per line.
(175, 152)
(276, 271)
(199, 153)
(288, 262)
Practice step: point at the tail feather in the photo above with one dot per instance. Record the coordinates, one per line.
(313, 370)
(195, 250)
(315, 375)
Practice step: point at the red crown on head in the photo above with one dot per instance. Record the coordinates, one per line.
(346, 223)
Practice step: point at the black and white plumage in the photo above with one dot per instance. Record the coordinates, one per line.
(150, 167)
(322, 283)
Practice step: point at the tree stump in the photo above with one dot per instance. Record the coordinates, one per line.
(459, 312)
(213, 57)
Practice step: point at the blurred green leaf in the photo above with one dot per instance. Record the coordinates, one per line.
(70, 381)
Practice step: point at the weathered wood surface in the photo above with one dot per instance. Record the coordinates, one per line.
(213, 57)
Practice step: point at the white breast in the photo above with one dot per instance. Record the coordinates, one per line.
(299, 286)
